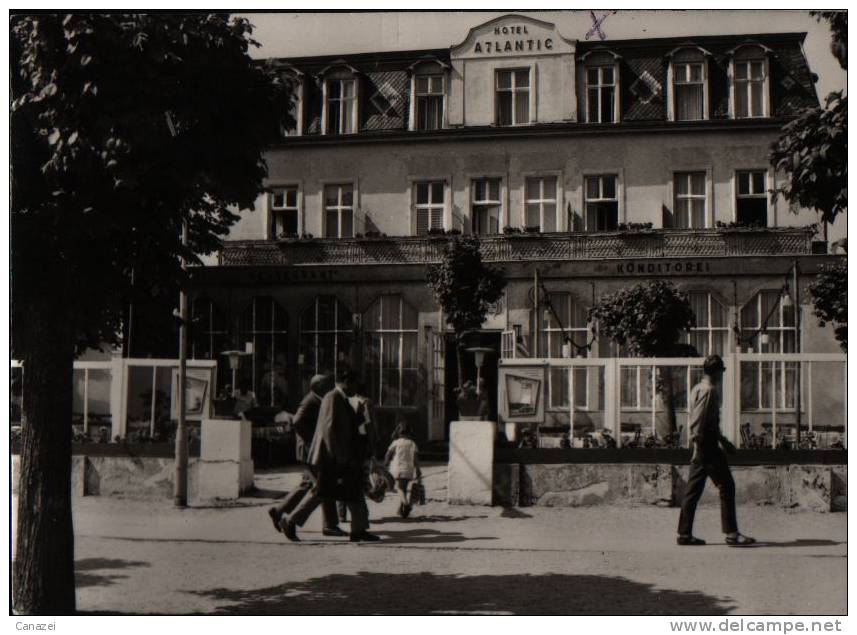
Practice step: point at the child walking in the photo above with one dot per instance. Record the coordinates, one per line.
(402, 461)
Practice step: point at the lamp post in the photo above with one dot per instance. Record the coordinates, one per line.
(234, 357)
(180, 487)
(479, 353)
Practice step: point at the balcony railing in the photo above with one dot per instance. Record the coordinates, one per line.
(657, 243)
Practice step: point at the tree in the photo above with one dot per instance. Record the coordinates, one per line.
(123, 127)
(829, 293)
(812, 149)
(649, 319)
(464, 286)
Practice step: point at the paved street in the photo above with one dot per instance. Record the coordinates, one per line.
(138, 557)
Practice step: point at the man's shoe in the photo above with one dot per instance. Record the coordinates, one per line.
(290, 530)
(364, 536)
(334, 531)
(692, 541)
(275, 518)
(406, 510)
(740, 540)
(402, 511)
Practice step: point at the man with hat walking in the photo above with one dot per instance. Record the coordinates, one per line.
(304, 425)
(708, 460)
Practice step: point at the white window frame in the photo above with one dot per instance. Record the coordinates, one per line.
(587, 87)
(378, 331)
(273, 210)
(673, 110)
(339, 207)
(270, 330)
(541, 200)
(299, 100)
(620, 195)
(738, 58)
(355, 111)
(709, 330)
(342, 318)
(415, 96)
(769, 185)
(515, 90)
(572, 393)
(639, 385)
(780, 368)
(417, 207)
(704, 196)
(500, 202)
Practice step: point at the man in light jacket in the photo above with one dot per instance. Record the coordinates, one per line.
(708, 459)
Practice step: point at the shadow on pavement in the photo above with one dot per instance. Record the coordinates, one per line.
(511, 512)
(426, 536)
(82, 577)
(426, 593)
(416, 518)
(800, 542)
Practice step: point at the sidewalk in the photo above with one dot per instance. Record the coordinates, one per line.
(138, 557)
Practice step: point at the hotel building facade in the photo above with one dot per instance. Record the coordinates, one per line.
(594, 165)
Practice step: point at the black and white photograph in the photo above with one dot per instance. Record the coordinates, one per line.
(440, 312)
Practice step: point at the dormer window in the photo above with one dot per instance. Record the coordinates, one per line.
(689, 83)
(429, 102)
(340, 107)
(601, 77)
(749, 73)
(296, 79)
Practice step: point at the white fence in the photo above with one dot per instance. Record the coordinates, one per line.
(759, 403)
(127, 395)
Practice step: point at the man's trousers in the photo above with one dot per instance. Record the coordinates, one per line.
(714, 465)
(300, 493)
(357, 509)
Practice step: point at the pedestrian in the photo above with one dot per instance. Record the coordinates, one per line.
(709, 459)
(304, 424)
(402, 462)
(337, 452)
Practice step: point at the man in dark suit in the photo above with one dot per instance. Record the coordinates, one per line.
(708, 459)
(304, 424)
(337, 452)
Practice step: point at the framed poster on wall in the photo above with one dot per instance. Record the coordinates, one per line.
(197, 394)
(522, 393)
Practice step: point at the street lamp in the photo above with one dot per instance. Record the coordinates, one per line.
(234, 357)
(479, 353)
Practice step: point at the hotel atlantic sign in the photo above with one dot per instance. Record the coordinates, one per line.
(512, 36)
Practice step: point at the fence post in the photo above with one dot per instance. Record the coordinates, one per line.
(731, 377)
(117, 397)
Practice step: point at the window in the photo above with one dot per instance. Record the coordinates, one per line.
(635, 387)
(689, 102)
(341, 105)
(601, 94)
(689, 200)
(750, 84)
(429, 102)
(339, 211)
(601, 203)
(768, 327)
(513, 97)
(540, 198)
(391, 351)
(710, 336)
(428, 206)
(91, 401)
(284, 212)
(486, 206)
(295, 80)
(327, 338)
(559, 387)
(568, 316)
(208, 336)
(264, 323)
(751, 197)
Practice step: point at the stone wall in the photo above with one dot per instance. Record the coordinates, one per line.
(819, 488)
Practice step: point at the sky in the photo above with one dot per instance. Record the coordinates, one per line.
(328, 33)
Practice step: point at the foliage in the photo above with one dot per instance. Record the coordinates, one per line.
(647, 318)
(464, 286)
(812, 149)
(829, 293)
(123, 126)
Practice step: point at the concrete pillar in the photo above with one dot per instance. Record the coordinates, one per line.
(225, 468)
(471, 462)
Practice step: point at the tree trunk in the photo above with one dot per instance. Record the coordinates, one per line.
(43, 567)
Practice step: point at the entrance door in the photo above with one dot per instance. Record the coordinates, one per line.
(489, 371)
